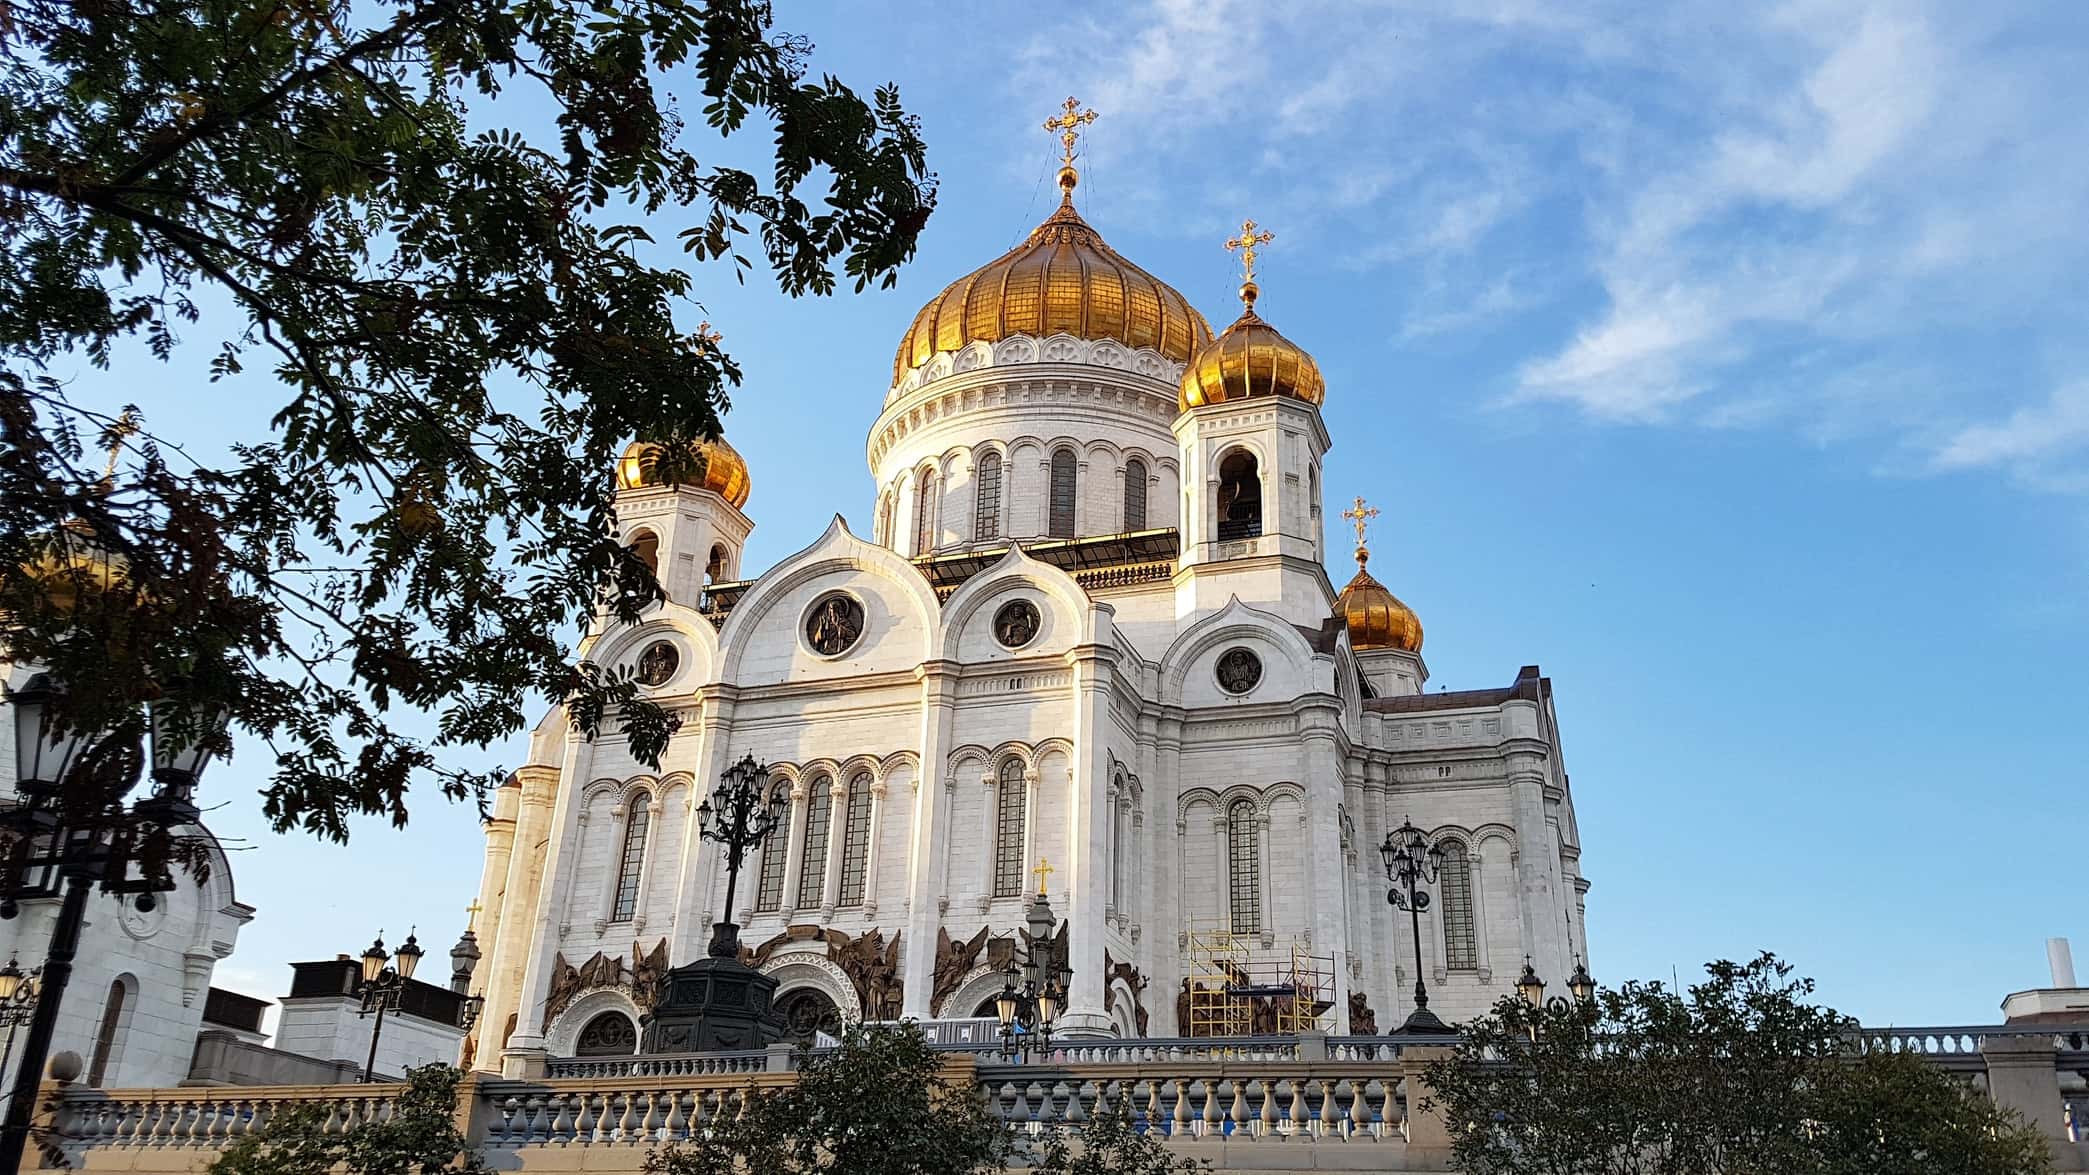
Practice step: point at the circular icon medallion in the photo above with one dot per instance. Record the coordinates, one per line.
(143, 915)
(834, 624)
(1016, 624)
(658, 663)
(1239, 670)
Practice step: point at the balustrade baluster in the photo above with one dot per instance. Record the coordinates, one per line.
(1213, 1118)
(674, 1127)
(1180, 1119)
(1331, 1109)
(627, 1121)
(1237, 1107)
(1266, 1111)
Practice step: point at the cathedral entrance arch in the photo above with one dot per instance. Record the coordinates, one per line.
(609, 1034)
(807, 1012)
(585, 1017)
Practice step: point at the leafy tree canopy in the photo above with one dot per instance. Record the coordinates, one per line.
(1741, 1075)
(420, 1135)
(401, 535)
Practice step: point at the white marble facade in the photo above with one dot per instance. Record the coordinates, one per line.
(931, 766)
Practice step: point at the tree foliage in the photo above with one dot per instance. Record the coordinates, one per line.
(877, 1105)
(421, 1135)
(1110, 1143)
(464, 321)
(1743, 1075)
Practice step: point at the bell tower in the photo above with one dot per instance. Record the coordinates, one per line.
(682, 514)
(1251, 442)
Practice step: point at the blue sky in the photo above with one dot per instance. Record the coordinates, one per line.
(1724, 360)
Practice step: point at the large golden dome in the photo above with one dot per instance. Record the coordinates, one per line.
(720, 469)
(1251, 359)
(1062, 279)
(1376, 617)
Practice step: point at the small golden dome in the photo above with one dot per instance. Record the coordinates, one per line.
(1062, 279)
(1376, 617)
(1250, 359)
(720, 469)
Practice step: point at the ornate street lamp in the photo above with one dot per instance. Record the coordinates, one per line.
(464, 959)
(381, 986)
(70, 833)
(1410, 863)
(741, 821)
(1532, 989)
(18, 992)
(1033, 995)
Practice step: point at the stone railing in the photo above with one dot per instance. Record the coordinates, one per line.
(1248, 1104)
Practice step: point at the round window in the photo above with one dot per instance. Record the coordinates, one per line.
(1016, 624)
(658, 663)
(1239, 670)
(834, 624)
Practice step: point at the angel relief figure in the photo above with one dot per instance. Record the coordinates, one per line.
(834, 625)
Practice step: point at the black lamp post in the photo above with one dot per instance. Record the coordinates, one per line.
(740, 821)
(464, 959)
(1033, 994)
(70, 833)
(380, 987)
(18, 992)
(1410, 863)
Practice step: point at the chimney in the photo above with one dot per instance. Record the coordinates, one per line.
(2062, 960)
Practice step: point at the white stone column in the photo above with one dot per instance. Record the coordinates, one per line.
(837, 825)
(1086, 832)
(697, 870)
(871, 854)
(794, 857)
(1164, 905)
(524, 1055)
(1537, 860)
(928, 855)
(989, 838)
(1321, 763)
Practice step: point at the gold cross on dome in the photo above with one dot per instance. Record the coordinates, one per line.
(1068, 125)
(122, 429)
(471, 913)
(1362, 516)
(1044, 872)
(1245, 243)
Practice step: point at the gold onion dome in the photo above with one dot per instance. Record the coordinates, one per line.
(718, 468)
(1376, 617)
(1251, 359)
(1062, 279)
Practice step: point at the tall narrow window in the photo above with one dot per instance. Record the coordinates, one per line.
(1454, 885)
(1240, 496)
(1009, 802)
(885, 534)
(812, 866)
(645, 547)
(1117, 852)
(1244, 867)
(105, 1035)
(776, 848)
(925, 514)
(855, 842)
(1135, 494)
(986, 505)
(634, 857)
(714, 569)
(1062, 520)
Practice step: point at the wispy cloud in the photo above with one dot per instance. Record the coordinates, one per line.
(1755, 213)
(2044, 444)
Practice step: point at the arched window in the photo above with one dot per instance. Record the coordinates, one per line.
(1454, 886)
(645, 547)
(986, 505)
(629, 868)
(1135, 494)
(1117, 848)
(925, 514)
(1243, 867)
(1061, 523)
(1240, 496)
(105, 1035)
(610, 1034)
(714, 569)
(855, 841)
(1009, 802)
(776, 847)
(812, 865)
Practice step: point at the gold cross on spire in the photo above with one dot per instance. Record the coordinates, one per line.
(471, 913)
(121, 429)
(1068, 125)
(1245, 243)
(1044, 872)
(1362, 516)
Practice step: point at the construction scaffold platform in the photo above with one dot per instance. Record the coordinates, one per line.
(1234, 990)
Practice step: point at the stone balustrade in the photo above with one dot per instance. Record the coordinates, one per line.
(1250, 1104)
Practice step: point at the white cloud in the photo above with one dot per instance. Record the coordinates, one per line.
(2026, 441)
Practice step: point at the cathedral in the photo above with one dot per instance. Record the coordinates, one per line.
(1090, 646)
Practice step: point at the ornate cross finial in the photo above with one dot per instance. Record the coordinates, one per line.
(121, 429)
(1245, 243)
(1068, 124)
(471, 913)
(1362, 516)
(1044, 872)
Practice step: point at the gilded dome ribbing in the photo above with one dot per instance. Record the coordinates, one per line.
(1250, 359)
(721, 470)
(1376, 617)
(1062, 279)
